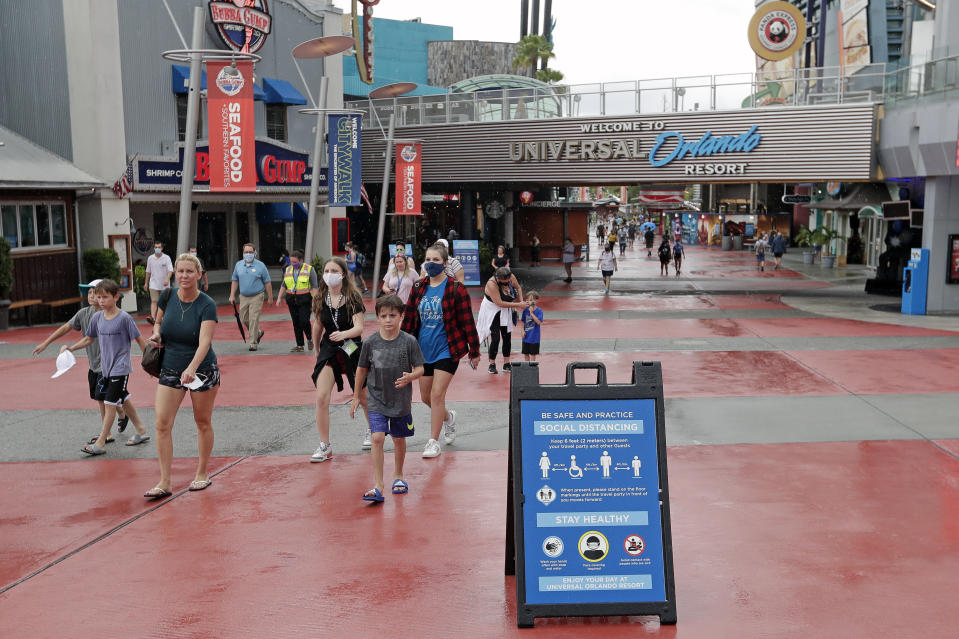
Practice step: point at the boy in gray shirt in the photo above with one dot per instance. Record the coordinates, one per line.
(389, 361)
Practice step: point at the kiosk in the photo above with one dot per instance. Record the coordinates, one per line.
(915, 283)
(588, 528)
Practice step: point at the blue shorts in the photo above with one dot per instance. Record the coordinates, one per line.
(395, 426)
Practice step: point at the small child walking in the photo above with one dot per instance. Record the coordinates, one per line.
(114, 330)
(532, 320)
(389, 361)
(678, 256)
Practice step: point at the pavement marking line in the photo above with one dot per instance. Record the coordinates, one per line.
(110, 532)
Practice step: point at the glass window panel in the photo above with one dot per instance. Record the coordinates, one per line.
(28, 233)
(43, 224)
(58, 220)
(8, 224)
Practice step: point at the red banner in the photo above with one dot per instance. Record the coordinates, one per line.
(409, 171)
(231, 126)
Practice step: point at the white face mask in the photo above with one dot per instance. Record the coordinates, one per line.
(332, 279)
(158, 251)
(248, 257)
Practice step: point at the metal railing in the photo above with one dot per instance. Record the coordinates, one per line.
(918, 79)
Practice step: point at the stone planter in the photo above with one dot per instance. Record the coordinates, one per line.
(808, 257)
(829, 261)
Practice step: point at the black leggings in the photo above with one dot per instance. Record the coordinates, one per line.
(495, 330)
(300, 308)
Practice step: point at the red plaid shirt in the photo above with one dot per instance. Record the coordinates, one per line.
(457, 317)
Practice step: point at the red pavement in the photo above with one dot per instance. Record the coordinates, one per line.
(799, 540)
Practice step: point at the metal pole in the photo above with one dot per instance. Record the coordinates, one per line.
(189, 137)
(317, 165)
(382, 224)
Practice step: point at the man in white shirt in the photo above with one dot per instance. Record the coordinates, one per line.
(160, 274)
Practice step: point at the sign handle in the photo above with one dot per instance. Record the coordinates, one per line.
(599, 367)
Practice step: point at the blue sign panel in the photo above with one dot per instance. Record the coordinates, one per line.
(591, 516)
(467, 252)
(344, 159)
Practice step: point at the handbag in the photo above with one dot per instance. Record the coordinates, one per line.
(152, 360)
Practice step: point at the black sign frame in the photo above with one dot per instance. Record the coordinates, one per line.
(646, 383)
(952, 259)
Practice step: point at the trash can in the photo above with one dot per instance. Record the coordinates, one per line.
(727, 242)
(737, 242)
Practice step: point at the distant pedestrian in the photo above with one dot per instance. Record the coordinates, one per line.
(569, 256)
(623, 236)
(113, 330)
(600, 232)
(399, 278)
(284, 259)
(607, 264)
(532, 322)
(498, 314)
(389, 362)
(204, 280)
(439, 315)
(339, 313)
(649, 238)
(678, 253)
(355, 261)
(79, 322)
(778, 247)
(665, 256)
(399, 248)
(534, 250)
(760, 248)
(613, 235)
(252, 279)
(500, 260)
(299, 286)
(159, 274)
(631, 234)
(185, 324)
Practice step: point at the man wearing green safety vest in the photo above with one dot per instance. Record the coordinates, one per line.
(299, 285)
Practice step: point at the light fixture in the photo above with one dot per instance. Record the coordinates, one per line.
(322, 47)
(392, 90)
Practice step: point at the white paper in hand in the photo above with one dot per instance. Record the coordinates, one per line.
(65, 361)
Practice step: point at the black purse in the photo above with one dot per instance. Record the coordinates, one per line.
(152, 360)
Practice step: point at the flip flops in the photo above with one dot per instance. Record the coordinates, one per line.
(92, 450)
(157, 493)
(122, 423)
(94, 439)
(200, 484)
(138, 439)
(400, 487)
(373, 495)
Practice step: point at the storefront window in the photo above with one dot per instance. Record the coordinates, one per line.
(210, 232)
(276, 121)
(34, 225)
(165, 230)
(181, 102)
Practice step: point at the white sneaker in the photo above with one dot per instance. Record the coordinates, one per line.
(432, 449)
(449, 428)
(368, 440)
(323, 452)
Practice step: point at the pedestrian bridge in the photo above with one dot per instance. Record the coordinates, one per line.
(469, 101)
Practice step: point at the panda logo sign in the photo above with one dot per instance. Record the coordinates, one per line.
(777, 31)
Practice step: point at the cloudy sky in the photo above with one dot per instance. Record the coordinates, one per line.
(606, 40)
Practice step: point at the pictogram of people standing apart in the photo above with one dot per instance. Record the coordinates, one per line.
(637, 466)
(544, 465)
(605, 462)
(574, 471)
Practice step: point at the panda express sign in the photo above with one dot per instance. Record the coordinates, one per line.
(784, 144)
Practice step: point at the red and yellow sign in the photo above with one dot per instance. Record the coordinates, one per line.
(777, 30)
(409, 172)
(231, 126)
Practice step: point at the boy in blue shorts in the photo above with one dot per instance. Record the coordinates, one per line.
(389, 361)
(532, 320)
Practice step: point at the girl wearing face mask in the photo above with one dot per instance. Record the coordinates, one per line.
(400, 278)
(439, 315)
(339, 310)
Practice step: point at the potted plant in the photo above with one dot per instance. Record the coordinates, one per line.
(807, 238)
(825, 239)
(139, 287)
(6, 283)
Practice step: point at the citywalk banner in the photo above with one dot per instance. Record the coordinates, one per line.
(588, 499)
(345, 159)
(467, 252)
(232, 127)
(409, 175)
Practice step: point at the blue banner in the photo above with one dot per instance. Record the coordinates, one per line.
(592, 526)
(345, 159)
(467, 252)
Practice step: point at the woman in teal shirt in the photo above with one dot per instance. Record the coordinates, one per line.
(184, 326)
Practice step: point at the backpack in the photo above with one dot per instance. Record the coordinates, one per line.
(360, 260)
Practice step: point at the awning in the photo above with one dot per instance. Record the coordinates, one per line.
(181, 77)
(281, 92)
(26, 165)
(860, 195)
(274, 212)
(870, 211)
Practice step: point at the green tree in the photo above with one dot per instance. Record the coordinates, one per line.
(549, 75)
(529, 50)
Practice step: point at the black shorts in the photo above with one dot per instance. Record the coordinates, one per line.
(93, 379)
(607, 273)
(114, 390)
(171, 378)
(530, 348)
(777, 255)
(447, 364)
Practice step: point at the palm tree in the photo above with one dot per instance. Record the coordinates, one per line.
(549, 76)
(530, 49)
